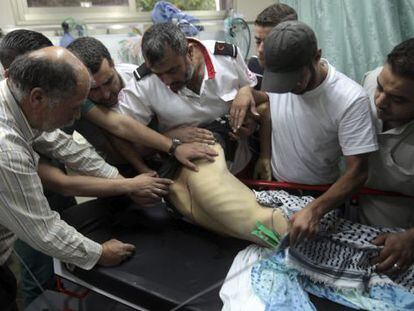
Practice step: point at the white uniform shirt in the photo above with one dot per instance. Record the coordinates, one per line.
(24, 210)
(311, 132)
(391, 168)
(224, 75)
(126, 72)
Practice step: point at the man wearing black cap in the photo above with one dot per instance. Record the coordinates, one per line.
(317, 114)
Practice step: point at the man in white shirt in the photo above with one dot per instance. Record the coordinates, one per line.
(185, 83)
(391, 168)
(44, 91)
(101, 125)
(317, 115)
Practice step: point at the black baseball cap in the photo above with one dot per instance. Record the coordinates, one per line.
(288, 48)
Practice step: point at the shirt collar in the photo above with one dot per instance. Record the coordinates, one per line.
(28, 133)
(330, 73)
(207, 57)
(396, 130)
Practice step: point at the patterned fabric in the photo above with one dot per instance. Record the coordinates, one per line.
(341, 255)
(335, 265)
(278, 286)
(24, 210)
(283, 288)
(288, 203)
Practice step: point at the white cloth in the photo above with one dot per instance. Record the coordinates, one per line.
(237, 292)
(24, 210)
(391, 168)
(150, 96)
(311, 132)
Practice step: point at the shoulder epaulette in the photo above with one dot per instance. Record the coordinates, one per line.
(226, 49)
(141, 72)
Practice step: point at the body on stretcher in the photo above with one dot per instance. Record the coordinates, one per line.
(174, 260)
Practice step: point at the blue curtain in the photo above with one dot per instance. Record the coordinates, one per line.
(356, 35)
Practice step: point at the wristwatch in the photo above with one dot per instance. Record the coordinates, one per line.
(175, 143)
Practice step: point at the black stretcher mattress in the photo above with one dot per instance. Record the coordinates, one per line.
(174, 259)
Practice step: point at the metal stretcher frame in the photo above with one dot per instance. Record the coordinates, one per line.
(272, 185)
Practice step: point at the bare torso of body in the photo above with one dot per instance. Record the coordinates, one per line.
(218, 201)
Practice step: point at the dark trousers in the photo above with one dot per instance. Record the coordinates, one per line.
(8, 289)
(39, 264)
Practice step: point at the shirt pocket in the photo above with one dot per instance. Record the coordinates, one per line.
(401, 155)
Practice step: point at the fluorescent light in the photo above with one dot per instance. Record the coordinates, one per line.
(86, 4)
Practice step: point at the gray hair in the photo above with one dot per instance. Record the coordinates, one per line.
(158, 36)
(57, 78)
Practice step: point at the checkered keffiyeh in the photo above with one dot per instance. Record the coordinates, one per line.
(341, 254)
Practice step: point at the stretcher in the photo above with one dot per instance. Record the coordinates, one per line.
(174, 261)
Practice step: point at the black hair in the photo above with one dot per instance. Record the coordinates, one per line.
(401, 59)
(159, 36)
(18, 42)
(91, 52)
(275, 14)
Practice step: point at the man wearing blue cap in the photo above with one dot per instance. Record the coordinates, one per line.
(317, 115)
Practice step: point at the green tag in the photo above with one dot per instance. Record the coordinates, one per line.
(265, 234)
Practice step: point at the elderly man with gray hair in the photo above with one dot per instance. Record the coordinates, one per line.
(44, 91)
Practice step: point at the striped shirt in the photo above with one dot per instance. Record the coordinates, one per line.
(24, 210)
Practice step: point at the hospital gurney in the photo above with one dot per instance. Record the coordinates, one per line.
(174, 260)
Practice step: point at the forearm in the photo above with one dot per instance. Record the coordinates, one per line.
(139, 133)
(132, 130)
(80, 157)
(128, 128)
(77, 185)
(247, 91)
(127, 151)
(265, 131)
(96, 187)
(347, 185)
(259, 96)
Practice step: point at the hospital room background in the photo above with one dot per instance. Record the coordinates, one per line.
(355, 35)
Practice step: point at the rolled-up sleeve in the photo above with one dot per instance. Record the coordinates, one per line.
(80, 157)
(26, 212)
